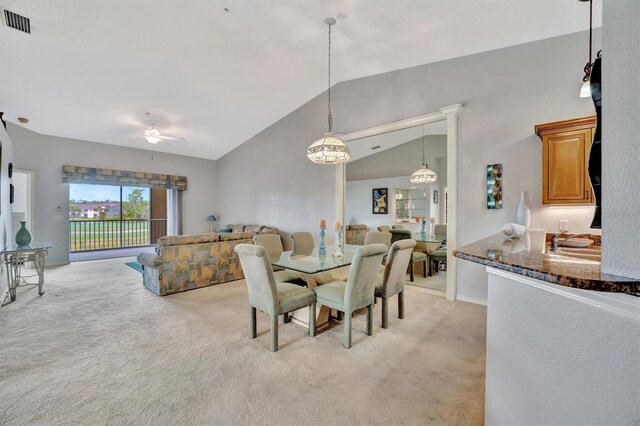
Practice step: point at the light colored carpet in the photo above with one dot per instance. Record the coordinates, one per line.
(99, 348)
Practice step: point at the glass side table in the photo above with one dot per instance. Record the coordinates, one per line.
(15, 258)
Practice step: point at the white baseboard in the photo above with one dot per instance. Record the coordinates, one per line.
(482, 302)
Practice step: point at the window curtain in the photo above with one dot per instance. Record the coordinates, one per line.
(174, 212)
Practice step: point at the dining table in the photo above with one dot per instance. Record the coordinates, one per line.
(317, 267)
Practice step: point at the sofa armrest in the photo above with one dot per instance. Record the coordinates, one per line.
(150, 260)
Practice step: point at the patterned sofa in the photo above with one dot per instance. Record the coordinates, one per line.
(258, 229)
(185, 262)
(354, 234)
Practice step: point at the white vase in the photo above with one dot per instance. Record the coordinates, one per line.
(523, 213)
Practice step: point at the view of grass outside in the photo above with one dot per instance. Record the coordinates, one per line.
(100, 219)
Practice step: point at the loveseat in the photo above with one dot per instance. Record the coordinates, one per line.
(186, 262)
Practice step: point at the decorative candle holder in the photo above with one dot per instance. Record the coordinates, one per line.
(322, 249)
(338, 252)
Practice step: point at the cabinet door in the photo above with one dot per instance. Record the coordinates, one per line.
(565, 178)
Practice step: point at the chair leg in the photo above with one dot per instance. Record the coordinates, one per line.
(385, 312)
(339, 315)
(370, 320)
(253, 332)
(347, 330)
(424, 269)
(411, 278)
(401, 305)
(312, 320)
(286, 318)
(274, 333)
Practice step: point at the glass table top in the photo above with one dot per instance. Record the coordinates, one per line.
(425, 238)
(313, 263)
(13, 248)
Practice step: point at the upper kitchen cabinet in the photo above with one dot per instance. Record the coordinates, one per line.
(565, 157)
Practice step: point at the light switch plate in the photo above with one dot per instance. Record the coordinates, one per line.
(564, 225)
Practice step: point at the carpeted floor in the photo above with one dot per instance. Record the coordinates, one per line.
(99, 348)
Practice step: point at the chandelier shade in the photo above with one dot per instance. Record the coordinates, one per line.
(423, 176)
(152, 136)
(328, 150)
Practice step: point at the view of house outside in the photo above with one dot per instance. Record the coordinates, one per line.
(100, 219)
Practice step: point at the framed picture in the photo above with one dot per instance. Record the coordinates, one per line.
(380, 200)
(436, 196)
(11, 193)
(494, 186)
(10, 170)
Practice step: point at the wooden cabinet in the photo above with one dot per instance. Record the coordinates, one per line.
(565, 157)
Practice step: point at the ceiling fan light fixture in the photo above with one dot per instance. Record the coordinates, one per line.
(152, 136)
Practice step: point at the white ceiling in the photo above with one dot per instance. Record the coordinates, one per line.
(90, 69)
(361, 148)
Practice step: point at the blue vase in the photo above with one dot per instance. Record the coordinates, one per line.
(23, 236)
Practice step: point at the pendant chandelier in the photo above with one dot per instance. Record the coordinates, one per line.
(585, 90)
(329, 149)
(423, 175)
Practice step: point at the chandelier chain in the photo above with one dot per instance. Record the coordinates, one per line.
(329, 117)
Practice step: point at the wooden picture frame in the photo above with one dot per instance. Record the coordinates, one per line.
(380, 201)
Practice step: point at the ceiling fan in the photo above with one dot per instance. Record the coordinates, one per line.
(154, 136)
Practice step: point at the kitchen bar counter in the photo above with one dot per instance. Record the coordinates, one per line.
(533, 259)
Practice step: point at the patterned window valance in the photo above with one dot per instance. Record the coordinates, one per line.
(89, 175)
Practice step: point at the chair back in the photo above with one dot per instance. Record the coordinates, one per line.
(397, 227)
(302, 243)
(364, 276)
(396, 268)
(377, 237)
(400, 234)
(272, 243)
(440, 231)
(384, 228)
(261, 283)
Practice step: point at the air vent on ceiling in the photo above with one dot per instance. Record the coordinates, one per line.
(18, 22)
(375, 147)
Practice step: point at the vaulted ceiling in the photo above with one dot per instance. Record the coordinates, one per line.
(91, 69)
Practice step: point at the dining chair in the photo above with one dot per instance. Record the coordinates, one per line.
(392, 282)
(302, 243)
(377, 237)
(358, 291)
(273, 244)
(417, 257)
(269, 296)
(397, 227)
(384, 228)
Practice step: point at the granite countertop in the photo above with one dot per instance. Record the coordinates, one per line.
(530, 256)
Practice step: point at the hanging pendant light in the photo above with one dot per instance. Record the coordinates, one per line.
(424, 174)
(585, 90)
(329, 149)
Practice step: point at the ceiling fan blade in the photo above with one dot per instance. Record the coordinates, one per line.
(171, 138)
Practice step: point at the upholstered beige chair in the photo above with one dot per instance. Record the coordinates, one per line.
(273, 244)
(440, 231)
(358, 291)
(378, 237)
(405, 234)
(392, 282)
(268, 295)
(384, 228)
(302, 243)
(397, 227)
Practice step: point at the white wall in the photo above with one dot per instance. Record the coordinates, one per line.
(46, 155)
(6, 231)
(621, 138)
(21, 194)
